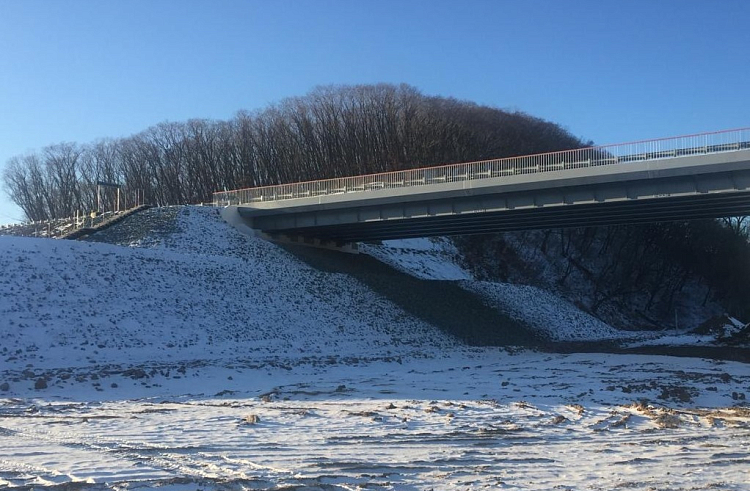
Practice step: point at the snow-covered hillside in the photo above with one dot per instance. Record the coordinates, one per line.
(185, 355)
(547, 312)
(204, 291)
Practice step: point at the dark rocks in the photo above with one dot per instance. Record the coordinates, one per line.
(135, 373)
(677, 394)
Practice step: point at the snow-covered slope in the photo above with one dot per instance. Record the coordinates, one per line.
(204, 291)
(558, 319)
(430, 259)
(107, 300)
(193, 357)
(548, 314)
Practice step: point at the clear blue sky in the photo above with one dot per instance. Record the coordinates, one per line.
(606, 70)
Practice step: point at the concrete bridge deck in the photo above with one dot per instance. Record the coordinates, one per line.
(701, 176)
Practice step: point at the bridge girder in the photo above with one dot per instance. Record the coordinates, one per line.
(682, 188)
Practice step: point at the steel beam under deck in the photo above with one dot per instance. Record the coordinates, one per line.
(563, 216)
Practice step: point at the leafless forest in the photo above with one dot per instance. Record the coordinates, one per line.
(331, 132)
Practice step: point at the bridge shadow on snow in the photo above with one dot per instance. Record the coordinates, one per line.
(447, 306)
(444, 304)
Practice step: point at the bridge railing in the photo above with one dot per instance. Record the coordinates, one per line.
(619, 154)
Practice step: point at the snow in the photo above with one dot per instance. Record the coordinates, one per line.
(547, 268)
(731, 328)
(430, 259)
(481, 418)
(196, 295)
(207, 359)
(550, 315)
(556, 318)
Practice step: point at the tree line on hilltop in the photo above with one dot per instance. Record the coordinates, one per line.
(331, 132)
(349, 130)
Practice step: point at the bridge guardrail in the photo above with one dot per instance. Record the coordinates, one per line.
(623, 153)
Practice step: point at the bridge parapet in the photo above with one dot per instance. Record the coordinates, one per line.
(606, 155)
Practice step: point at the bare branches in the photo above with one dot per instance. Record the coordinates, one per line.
(332, 132)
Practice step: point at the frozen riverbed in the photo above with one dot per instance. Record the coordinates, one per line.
(475, 419)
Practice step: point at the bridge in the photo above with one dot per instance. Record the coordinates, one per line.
(680, 178)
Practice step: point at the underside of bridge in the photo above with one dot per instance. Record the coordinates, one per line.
(564, 216)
